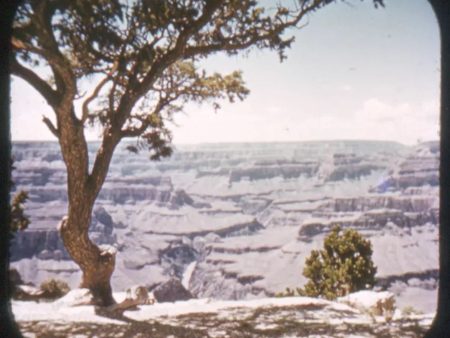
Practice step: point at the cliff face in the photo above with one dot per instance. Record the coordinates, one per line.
(243, 218)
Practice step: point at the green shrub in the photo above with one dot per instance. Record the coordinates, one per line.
(343, 266)
(19, 221)
(54, 288)
(288, 292)
(410, 310)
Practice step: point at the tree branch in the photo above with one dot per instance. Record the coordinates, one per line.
(145, 123)
(51, 96)
(102, 161)
(227, 44)
(64, 77)
(98, 88)
(141, 88)
(51, 126)
(20, 45)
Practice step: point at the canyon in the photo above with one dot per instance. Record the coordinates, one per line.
(237, 221)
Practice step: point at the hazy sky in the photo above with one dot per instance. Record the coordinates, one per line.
(353, 73)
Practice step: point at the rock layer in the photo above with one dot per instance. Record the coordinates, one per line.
(247, 214)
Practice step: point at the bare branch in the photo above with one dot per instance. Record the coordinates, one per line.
(102, 160)
(89, 99)
(64, 77)
(51, 96)
(93, 96)
(20, 45)
(51, 126)
(50, 58)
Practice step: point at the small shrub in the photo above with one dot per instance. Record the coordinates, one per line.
(19, 221)
(289, 293)
(54, 288)
(343, 266)
(410, 310)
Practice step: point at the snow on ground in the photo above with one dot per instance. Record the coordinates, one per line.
(188, 274)
(367, 299)
(34, 311)
(262, 314)
(62, 311)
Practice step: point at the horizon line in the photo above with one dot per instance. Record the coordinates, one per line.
(250, 142)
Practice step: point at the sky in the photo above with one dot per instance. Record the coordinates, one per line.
(353, 72)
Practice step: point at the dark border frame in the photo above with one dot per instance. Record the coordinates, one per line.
(441, 323)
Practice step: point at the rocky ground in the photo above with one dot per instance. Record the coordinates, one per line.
(222, 328)
(270, 317)
(310, 319)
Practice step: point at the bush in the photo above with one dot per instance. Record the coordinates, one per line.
(54, 288)
(288, 292)
(19, 221)
(343, 266)
(410, 310)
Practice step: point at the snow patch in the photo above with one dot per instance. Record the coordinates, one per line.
(206, 305)
(74, 298)
(376, 303)
(107, 250)
(188, 274)
(33, 311)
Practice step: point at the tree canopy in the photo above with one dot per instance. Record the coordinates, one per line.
(143, 55)
(344, 265)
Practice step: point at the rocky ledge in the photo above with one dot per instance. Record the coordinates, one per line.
(270, 317)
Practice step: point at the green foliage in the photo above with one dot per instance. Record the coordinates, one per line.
(410, 310)
(343, 266)
(142, 59)
(19, 221)
(288, 292)
(54, 288)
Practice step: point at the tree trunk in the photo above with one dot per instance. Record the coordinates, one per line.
(97, 264)
(441, 323)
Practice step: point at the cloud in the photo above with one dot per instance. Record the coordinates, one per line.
(374, 119)
(405, 122)
(346, 88)
(376, 111)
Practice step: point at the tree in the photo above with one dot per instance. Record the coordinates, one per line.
(144, 57)
(343, 266)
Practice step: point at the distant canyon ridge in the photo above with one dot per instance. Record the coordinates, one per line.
(236, 221)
